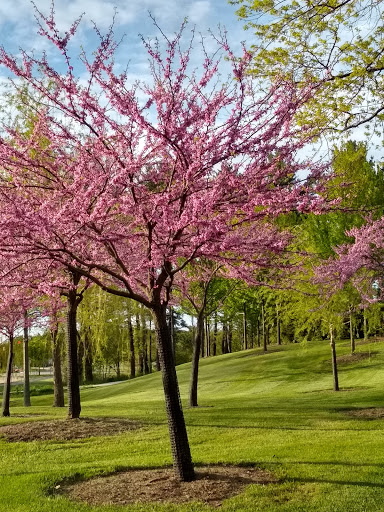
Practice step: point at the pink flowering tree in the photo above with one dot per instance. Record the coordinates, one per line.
(126, 185)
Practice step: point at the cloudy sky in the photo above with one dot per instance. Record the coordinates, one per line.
(18, 27)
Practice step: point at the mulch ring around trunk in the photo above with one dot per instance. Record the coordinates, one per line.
(66, 430)
(353, 358)
(371, 413)
(212, 486)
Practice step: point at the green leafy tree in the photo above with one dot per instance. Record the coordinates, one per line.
(337, 45)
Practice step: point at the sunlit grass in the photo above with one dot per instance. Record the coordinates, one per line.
(274, 410)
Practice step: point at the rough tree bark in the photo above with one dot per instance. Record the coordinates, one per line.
(197, 344)
(73, 300)
(181, 454)
(7, 383)
(26, 391)
(132, 359)
(334, 361)
(58, 388)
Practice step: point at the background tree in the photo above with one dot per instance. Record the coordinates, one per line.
(338, 46)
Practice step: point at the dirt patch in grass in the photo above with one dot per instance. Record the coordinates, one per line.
(372, 413)
(65, 430)
(212, 486)
(354, 358)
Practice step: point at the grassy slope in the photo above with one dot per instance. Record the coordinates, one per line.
(275, 410)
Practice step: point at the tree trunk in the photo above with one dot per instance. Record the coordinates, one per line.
(207, 338)
(7, 383)
(245, 340)
(150, 346)
(80, 357)
(202, 338)
(214, 338)
(26, 391)
(229, 336)
(365, 325)
(182, 461)
(58, 389)
(195, 361)
(351, 336)
(88, 357)
(278, 334)
(74, 407)
(224, 341)
(265, 348)
(334, 361)
(132, 359)
(172, 332)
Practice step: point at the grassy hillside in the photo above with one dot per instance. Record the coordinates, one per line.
(275, 410)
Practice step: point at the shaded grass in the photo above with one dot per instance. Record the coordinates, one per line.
(274, 410)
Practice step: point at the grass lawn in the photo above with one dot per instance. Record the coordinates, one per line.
(274, 410)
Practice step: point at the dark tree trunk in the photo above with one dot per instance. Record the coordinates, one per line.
(214, 339)
(118, 363)
(245, 339)
(195, 361)
(150, 346)
(202, 338)
(258, 332)
(58, 388)
(278, 334)
(132, 358)
(158, 368)
(265, 348)
(7, 383)
(181, 454)
(207, 338)
(26, 391)
(88, 357)
(224, 339)
(172, 332)
(352, 338)
(334, 361)
(365, 325)
(139, 342)
(74, 406)
(144, 344)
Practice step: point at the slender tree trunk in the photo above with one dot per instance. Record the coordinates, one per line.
(195, 361)
(144, 344)
(229, 336)
(26, 391)
(150, 346)
(172, 332)
(278, 334)
(158, 367)
(365, 325)
(132, 358)
(139, 343)
(207, 337)
(214, 339)
(74, 406)
(352, 338)
(258, 332)
(334, 361)
(181, 454)
(58, 388)
(7, 383)
(202, 338)
(245, 339)
(224, 340)
(88, 357)
(265, 348)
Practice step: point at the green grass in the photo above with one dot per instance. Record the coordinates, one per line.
(275, 410)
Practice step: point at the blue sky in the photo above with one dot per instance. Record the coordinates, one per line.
(18, 28)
